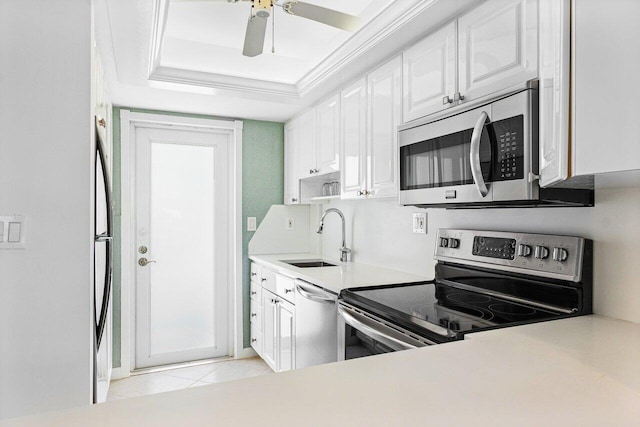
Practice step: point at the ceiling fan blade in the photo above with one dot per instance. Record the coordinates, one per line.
(323, 15)
(254, 37)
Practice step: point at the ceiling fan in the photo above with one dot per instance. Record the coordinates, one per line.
(261, 10)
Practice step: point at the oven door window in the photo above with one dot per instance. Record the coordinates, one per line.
(358, 344)
(443, 161)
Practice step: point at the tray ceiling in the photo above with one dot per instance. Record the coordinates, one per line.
(187, 55)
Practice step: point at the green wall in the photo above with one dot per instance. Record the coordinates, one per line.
(262, 186)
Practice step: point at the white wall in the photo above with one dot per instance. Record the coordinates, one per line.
(379, 232)
(46, 152)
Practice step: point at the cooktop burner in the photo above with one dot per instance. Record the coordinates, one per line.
(456, 310)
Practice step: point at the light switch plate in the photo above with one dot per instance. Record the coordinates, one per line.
(251, 223)
(291, 225)
(420, 222)
(13, 230)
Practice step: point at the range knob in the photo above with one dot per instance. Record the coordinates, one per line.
(541, 252)
(454, 243)
(524, 250)
(560, 254)
(444, 242)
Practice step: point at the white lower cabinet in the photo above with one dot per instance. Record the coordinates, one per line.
(270, 331)
(279, 332)
(272, 317)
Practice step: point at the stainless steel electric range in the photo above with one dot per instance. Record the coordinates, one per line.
(483, 280)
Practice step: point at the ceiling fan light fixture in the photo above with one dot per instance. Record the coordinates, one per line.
(262, 8)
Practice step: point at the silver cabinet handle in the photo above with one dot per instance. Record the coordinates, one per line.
(458, 97)
(293, 200)
(446, 100)
(286, 291)
(143, 262)
(253, 314)
(264, 279)
(253, 292)
(254, 340)
(254, 274)
(476, 168)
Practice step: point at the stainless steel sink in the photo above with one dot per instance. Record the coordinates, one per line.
(307, 263)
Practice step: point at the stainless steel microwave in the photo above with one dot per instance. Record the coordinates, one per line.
(479, 157)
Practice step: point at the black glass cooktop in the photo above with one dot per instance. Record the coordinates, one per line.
(453, 311)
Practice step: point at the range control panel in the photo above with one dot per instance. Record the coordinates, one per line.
(544, 255)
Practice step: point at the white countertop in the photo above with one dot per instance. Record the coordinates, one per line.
(580, 371)
(344, 275)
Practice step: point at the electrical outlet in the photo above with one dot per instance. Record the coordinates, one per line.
(420, 222)
(291, 225)
(251, 223)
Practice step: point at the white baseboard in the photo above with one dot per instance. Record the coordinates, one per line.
(245, 353)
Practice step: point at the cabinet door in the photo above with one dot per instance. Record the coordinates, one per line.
(307, 144)
(605, 91)
(498, 46)
(286, 336)
(384, 116)
(270, 331)
(554, 60)
(327, 136)
(291, 169)
(429, 70)
(353, 140)
(256, 340)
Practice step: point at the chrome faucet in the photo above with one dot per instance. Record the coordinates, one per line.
(344, 251)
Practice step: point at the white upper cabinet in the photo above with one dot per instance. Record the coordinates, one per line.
(307, 144)
(353, 156)
(490, 48)
(430, 74)
(606, 58)
(592, 128)
(553, 89)
(384, 89)
(498, 46)
(371, 113)
(327, 135)
(291, 170)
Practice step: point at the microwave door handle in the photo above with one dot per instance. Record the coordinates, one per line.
(476, 168)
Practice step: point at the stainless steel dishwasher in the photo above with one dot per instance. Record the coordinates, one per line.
(316, 325)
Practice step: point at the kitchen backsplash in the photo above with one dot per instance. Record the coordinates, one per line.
(379, 232)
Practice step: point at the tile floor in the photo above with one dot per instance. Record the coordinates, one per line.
(193, 376)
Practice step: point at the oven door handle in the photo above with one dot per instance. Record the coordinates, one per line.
(375, 331)
(476, 168)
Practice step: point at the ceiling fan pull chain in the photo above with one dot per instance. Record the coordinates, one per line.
(273, 31)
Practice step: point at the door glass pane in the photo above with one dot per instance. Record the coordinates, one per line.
(181, 241)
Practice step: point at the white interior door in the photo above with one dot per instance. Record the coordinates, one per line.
(182, 198)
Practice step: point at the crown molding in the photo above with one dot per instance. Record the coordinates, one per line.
(380, 28)
(224, 82)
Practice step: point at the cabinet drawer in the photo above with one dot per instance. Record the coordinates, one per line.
(255, 315)
(256, 291)
(285, 288)
(256, 272)
(256, 340)
(268, 280)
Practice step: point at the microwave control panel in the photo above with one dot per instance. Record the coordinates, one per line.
(509, 153)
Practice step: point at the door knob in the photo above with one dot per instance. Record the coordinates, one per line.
(143, 262)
